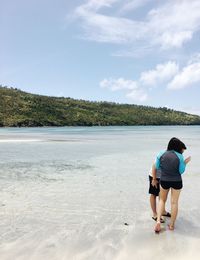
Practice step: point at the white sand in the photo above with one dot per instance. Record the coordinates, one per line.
(71, 200)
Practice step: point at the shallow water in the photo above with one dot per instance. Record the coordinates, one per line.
(65, 193)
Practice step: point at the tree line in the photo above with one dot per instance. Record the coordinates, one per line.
(19, 108)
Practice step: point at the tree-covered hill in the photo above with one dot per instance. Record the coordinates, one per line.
(19, 108)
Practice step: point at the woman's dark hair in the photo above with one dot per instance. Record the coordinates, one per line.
(176, 145)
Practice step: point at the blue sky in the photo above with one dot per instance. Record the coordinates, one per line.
(139, 52)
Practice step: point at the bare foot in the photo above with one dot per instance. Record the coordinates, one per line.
(157, 227)
(171, 227)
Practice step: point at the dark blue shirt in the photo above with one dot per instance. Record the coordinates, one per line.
(171, 164)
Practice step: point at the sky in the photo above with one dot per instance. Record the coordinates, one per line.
(144, 52)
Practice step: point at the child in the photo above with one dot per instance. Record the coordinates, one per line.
(154, 190)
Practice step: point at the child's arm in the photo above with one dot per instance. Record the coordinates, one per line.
(154, 180)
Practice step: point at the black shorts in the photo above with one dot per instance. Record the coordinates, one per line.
(177, 185)
(152, 189)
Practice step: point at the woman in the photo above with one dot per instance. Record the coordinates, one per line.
(171, 164)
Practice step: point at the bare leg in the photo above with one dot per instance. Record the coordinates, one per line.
(161, 206)
(174, 207)
(164, 211)
(162, 201)
(153, 205)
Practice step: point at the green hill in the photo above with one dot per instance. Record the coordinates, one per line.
(18, 108)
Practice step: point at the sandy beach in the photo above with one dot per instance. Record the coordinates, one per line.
(66, 199)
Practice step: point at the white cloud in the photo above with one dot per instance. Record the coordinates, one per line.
(174, 39)
(134, 91)
(137, 90)
(175, 22)
(187, 77)
(136, 52)
(169, 24)
(161, 73)
(118, 84)
(104, 28)
(95, 5)
(166, 74)
(137, 95)
(133, 4)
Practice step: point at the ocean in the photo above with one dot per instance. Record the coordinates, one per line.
(82, 193)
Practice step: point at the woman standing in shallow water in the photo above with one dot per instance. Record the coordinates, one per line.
(171, 164)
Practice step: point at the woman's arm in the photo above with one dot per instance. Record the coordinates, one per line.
(188, 159)
(182, 163)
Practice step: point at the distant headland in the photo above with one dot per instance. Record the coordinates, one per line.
(22, 109)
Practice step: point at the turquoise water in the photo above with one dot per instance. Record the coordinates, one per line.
(65, 193)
